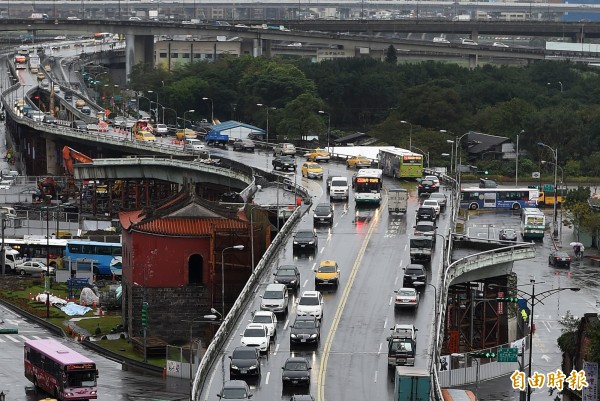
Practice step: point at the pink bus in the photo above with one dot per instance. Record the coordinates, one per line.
(60, 371)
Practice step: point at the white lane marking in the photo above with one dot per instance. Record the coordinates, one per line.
(405, 246)
(287, 321)
(2, 341)
(24, 338)
(305, 282)
(267, 378)
(375, 380)
(322, 249)
(314, 266)
(38, 337)
(391, 300)
(385, 323)
(11, 338)
(379, 350)
(396, 281)
(276, 349)
(335, 225)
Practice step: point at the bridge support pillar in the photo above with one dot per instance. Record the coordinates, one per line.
(52, 165)
(256, 47)
(472, 61)
(138, 49)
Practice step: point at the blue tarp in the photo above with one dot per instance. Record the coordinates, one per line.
(72, 309)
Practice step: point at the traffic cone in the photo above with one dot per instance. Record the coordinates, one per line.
(30, 296)
(164, 374)
(100, 313)
(73, 298)
(78, 337)
(94, 304)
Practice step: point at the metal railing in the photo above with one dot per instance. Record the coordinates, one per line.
(238, 309)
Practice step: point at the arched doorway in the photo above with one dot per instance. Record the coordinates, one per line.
(195, 268)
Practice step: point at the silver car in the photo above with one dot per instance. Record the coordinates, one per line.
(32, 267)
(406, 298)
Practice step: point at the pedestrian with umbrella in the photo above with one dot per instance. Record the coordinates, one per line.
(578, 248)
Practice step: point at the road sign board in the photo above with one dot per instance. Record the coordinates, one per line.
(507, 354)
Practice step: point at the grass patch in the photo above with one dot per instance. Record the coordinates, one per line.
(125, 348)
(106, 323)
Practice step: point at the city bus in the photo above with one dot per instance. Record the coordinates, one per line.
(60, 371)
(401, 163)
(106, 255)
(35, 249)
(498, 198)
(533, 223)
(103, 36)
(367, 186)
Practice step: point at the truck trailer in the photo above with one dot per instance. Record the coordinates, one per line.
(411, 384)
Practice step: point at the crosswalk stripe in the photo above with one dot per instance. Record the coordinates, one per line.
(38, 337)
(23, 337)
(11, 338)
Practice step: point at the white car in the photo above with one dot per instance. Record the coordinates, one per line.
(406, 298)
(60, 37)
(469, 42)
(311, 304)
(499, 44)
(432, 203)
(268, 319)
(405, 331)
(5, 184)
(256, 335)
(162, 129)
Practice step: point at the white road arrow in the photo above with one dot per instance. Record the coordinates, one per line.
(546, 358)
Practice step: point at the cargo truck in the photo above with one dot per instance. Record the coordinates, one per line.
(397, 200)
(462, 17)
(411, 384)
(34, 63)
(421, 249)
(215, 138)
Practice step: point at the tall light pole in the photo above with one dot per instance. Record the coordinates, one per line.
(451, 142)
(47, 280)
(533, 300)
(212, 109)
(426, 154)
(562, 180)
(206, 319)
(561, 85)
(252, 233)
(409, 135)
(267, 107)
(517, 160)
(184, 120)
(328, 124)
(173, 110)
(555, 154)
(236, 247)
(157, 104)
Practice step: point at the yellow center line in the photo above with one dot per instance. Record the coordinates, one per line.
(340, 309)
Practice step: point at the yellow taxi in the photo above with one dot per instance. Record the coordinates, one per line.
(318, 155)
(145, 136)
(312, 170)
(186, 133)
(328, 273)
(359, 161)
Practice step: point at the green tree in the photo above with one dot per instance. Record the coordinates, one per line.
(567, 340)
(300, 117)
(390, 55)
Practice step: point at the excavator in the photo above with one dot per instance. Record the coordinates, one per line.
(69, 156)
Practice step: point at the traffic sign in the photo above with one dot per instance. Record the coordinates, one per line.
(508, 354)
(535, 174)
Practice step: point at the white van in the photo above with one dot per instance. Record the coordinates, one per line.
(193, 144)
(397, 200)
(339, 189)
(9, 212)
(12, 258)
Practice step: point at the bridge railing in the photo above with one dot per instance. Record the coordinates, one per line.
(215, 348)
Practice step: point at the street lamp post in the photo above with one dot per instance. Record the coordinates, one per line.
(534, 299)
(517, 159)
(328, 124)
(555, 213)
(47, 280)
(173, 110)
(239, 248)
(157, 104)
(562, 180)
(560, 83)
(212, 109)
(207, 319)
(451, 142)
(426, 154)
(184, 120)
(3, 251)
(267, 107)
(252, 234)
(409, 135)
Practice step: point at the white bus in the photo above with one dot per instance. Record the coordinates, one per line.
(367, 186)
(533, 223)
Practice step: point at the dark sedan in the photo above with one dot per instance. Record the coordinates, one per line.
(284, 163)
(288, 275)
(305, 330)
(414, 276)
(559, 259)
(427, 187)
(245, 361)
(305, 240)
(235, 390)
(244, 144)
(323, 214)
(296, 372)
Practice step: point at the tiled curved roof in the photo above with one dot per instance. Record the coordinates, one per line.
(188, 226)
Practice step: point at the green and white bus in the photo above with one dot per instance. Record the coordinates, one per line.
(533, 223)
(401, 163)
